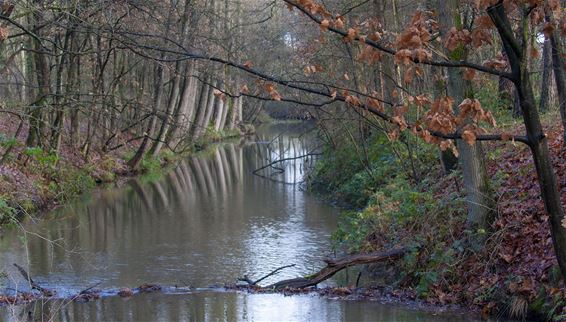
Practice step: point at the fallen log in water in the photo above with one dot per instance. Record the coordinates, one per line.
(91, 293)
(334, 266)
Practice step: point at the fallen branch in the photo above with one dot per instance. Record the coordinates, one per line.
(275, 271)
(271, 164)
(34, 285)
(334, 266)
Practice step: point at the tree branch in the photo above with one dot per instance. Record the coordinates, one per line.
(450, 64)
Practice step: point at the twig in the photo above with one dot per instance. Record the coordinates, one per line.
(85, 291)
(283, 160)
(274, 272)
(33, 284)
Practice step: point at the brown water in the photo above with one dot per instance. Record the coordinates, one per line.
(207, 221)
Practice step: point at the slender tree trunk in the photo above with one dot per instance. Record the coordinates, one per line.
(74, 84)
(480, 214)
(158, 97)
(37, 125)
(205, 96)
(233, 117)
(185, 110)
(174, 97)
(516, 51)
(225, 112)
(218, 115)
(212, 99)
(57, 130)
(546, 72)
(559, 75)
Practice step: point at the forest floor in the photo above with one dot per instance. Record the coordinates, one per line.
(33, 181)
(515, 274)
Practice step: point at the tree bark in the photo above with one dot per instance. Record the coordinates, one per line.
(175, 87)
(212, 100)
(205, 96)
(152, 124)
(185, 111)
(559, 75)
(37, 126)
(480, 214)
(546, 72)
(516, 52)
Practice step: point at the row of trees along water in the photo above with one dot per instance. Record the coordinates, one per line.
(95, 73)
(164, 70)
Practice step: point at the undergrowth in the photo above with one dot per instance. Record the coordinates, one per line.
(514, 274)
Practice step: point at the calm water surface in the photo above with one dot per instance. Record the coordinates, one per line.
(205, 222)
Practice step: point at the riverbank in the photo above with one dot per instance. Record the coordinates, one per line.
(515, 272)
(34, 181)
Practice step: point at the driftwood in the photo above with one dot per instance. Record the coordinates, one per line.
(334, 266)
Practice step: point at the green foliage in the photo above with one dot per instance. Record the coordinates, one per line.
(396, 203)
(342, 173)
(7, 213)
(426, 279)
(41, 160)
(7, 142)
(66, 184)
(352, 230)
(168, 156)
(395, 208)
(150, 165)
(212, 135)
(501, 108)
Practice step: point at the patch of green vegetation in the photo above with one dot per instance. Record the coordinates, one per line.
(149, 165)
(67, 183)
(41, 161)
(501, 108)
(7, 142)
(395, 209)
(353, 174)
(211, 135)
(7, 213)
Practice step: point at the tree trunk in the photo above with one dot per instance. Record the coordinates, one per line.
(516, 51)
(57, 127)
(219, 114)
(185, 110)
(559, 75)
(226, 112)
(158, 97)
(546, 71)
(174, 97)
(205, 96)
(480, 214)
(212, 99)
(167, 117)
(35, 134)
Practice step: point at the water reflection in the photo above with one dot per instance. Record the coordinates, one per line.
(207, 221)
(225, 307)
